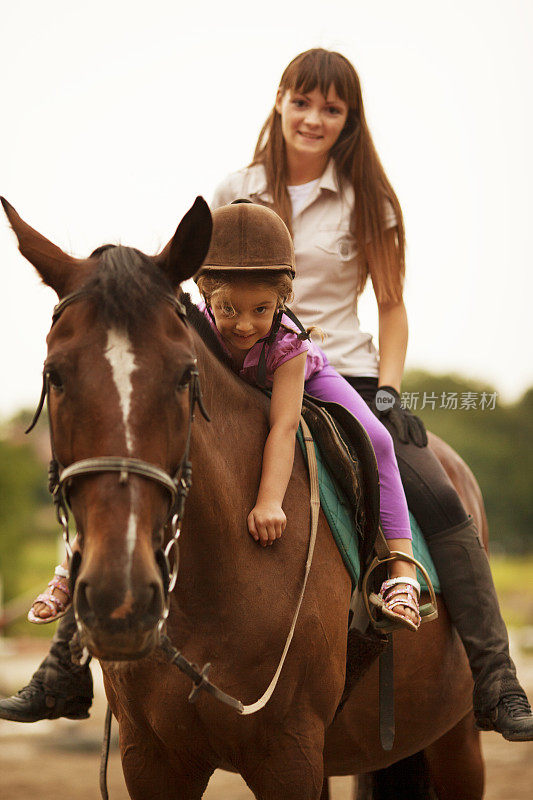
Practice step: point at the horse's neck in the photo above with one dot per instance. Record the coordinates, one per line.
(226, 457)
(227, 583)
(236, 410)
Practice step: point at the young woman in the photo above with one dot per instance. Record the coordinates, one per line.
(316, 165)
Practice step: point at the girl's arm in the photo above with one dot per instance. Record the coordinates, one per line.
(266, 520)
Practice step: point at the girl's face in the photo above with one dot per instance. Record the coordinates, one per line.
(243, 315)
(311, 123)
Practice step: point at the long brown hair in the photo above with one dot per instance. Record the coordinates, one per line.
(356, 160)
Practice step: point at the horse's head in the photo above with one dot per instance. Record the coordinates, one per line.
(119, 364)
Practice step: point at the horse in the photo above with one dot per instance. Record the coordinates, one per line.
(121, 376)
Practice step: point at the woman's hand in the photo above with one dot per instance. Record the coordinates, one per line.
(266, 523)
(387, 407)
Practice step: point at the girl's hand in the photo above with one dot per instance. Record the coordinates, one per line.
(266, 523)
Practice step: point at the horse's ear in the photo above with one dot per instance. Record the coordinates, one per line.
(57, 269)
(185, 253)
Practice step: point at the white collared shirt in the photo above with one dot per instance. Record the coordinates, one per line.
(326, 265)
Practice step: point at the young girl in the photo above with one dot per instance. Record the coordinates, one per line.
(246, 282)
(316, 165)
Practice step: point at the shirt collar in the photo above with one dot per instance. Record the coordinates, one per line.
(329, 178)
(258, 183)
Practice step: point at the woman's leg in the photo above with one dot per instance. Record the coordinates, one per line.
(466, 584)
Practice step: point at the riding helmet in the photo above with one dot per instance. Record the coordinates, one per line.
(250, 237)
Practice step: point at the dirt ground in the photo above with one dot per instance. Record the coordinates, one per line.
(60, 759)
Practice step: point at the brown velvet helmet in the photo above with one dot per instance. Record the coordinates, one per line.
(250, 237)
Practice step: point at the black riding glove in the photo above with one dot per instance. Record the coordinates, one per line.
(386, 406)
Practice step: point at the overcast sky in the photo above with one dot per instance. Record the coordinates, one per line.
(115, 115)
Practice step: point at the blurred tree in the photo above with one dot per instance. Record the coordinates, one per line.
(495, 442)
(22, 491)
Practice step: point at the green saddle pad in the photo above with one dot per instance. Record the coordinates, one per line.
(339, 516)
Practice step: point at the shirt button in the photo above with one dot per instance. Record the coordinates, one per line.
(344, 249)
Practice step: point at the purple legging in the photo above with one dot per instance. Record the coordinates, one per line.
(329, 385)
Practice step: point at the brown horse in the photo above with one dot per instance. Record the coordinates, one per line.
(119, 362)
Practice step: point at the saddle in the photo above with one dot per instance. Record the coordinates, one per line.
(346, 448)
(348, 452)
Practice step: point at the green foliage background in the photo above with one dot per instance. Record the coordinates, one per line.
(21, 493)
(28, 532)
(497, 445)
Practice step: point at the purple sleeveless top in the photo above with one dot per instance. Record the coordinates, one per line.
(285, 346)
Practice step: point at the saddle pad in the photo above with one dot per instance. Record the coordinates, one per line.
(338, 514)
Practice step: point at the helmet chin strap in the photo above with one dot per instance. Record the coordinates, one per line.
(268, 340)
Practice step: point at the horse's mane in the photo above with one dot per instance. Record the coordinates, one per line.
(204, 329)
(128, 286)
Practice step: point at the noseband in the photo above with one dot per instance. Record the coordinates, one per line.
(178, 485)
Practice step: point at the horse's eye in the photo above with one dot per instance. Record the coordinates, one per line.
(185, 379)
(54, 379)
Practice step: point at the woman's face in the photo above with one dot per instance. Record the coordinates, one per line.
(311, 123)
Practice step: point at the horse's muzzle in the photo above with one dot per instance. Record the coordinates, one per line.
(118, 646)
(118, 625)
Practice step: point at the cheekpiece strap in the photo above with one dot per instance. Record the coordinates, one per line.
(40, 405)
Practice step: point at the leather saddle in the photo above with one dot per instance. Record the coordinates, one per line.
(348, 453)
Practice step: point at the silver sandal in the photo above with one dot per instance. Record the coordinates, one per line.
(389, 597)
(58, 607)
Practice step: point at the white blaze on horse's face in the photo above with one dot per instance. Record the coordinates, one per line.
(121, 357)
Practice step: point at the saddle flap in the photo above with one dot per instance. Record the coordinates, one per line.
(346, 448)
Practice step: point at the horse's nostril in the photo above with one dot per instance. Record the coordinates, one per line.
(155, 603)
(74, 568)
(82, 601)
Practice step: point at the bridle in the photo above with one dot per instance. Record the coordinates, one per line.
(177, 486)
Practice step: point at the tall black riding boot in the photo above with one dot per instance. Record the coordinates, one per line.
(468, 590)
(59, 688)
